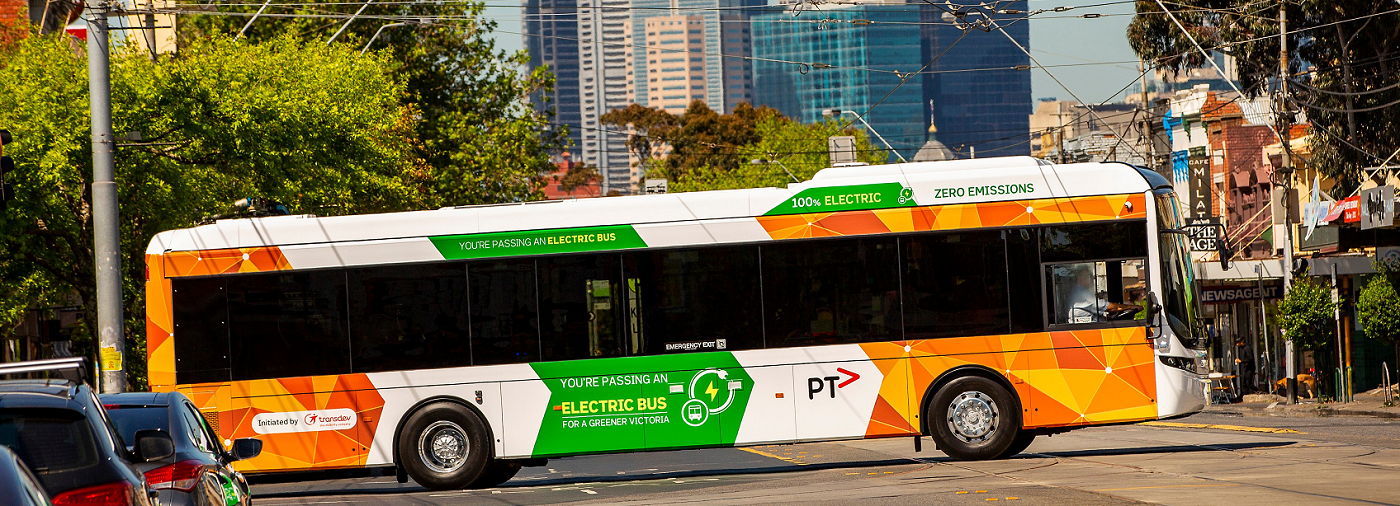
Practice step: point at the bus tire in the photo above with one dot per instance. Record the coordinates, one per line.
(444, 446)
(497, 473)
(1023, 440)
(973, 418)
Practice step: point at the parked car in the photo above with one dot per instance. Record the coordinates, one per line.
(18, 486)
(60, 431)
(200, 472)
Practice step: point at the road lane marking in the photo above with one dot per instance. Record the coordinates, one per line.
(1168, 486)
(770, 455)
(1179, 425)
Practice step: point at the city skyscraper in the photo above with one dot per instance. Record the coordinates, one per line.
(846, 66)
(973, 93)
(551, 37)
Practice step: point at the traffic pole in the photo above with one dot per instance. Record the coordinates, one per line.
(106, 234)
(1290, 364)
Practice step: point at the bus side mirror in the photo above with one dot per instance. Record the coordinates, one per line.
(1154, 311)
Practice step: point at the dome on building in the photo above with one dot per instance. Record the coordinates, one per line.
(933, 151)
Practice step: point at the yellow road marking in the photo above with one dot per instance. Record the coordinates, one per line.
(770, 455)
(961, 492)
(1178, 425)
(1168, 486)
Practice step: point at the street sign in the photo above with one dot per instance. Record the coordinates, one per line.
(842, 149)
(652, 186)
(1377, 207)
(1199, 178)
(1204, 234)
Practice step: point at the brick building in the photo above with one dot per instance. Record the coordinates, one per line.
(1240, 174)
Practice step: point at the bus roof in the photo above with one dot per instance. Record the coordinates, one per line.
(928, 183)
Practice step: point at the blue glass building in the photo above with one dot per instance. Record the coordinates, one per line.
(971, 106)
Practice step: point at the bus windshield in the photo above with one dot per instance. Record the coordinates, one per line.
(1178, 280)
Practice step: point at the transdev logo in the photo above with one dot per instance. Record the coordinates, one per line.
(303, 421)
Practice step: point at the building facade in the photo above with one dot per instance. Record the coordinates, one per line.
(804, 69)
(979, 91)
(861, 57)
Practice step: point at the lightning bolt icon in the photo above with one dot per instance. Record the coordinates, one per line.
(710, 389)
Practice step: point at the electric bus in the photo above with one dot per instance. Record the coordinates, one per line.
(977, 302)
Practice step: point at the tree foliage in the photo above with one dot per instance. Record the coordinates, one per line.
(1307, 313)
(478, 136)
(704, 150)
(1378, 306)
(1335, 47)
(310, 125)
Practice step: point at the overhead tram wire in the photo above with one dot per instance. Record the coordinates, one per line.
(1206, 54)
(998, 27)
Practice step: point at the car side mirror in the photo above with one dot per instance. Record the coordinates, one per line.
(153, 445)
(246, 448)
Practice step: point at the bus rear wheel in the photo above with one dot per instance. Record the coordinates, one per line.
(973, 418)
(444, 446)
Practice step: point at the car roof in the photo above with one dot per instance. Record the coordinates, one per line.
(137, 398)
(39, 394)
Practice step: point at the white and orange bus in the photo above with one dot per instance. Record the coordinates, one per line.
(978, 302)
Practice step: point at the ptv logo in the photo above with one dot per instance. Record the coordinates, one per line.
(829, 384)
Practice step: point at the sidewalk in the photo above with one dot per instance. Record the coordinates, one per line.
(1364, 405)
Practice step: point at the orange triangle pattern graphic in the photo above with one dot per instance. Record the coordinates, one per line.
(1064, 379)
(243, 400)
(956, 216)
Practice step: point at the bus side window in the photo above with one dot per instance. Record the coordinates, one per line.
(201, 329)
(581, 306)
(504, 312)
(1023, 280)
(831, 291)
(409, 317)
(1096, 291)
(694, 300)
(287, 324)
(954, 284)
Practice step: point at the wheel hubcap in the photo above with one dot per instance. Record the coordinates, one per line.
(972, 417)
(443, 446)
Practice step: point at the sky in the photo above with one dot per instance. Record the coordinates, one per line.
(1057, 38)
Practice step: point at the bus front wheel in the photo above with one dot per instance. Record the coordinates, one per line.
(444, 446)
(973, 418)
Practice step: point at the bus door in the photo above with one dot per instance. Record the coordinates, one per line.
(595, 389)
(694, 321)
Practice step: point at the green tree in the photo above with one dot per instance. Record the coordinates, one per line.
(1349, 54)
(310, 125)
(1307, 314)
(1378, 306)
(704, 150)
(479, 138)
(699, 137)
(786, 152)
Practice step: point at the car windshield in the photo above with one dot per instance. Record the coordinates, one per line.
(49, 440)
(131, 419)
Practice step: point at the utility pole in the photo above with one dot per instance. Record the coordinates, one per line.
(1146, 132)
(1286, 122)
(106, 234)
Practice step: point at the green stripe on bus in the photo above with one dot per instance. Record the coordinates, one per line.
(650, 402)
(538, 242)
(846, 198)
